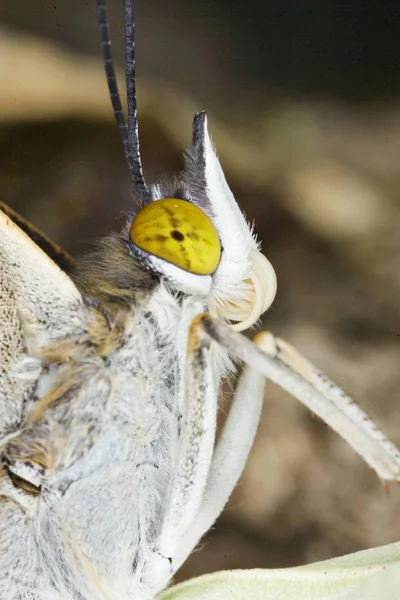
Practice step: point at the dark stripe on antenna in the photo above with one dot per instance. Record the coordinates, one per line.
(130, 71)
(128, 130)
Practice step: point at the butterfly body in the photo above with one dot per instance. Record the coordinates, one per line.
(98, 421)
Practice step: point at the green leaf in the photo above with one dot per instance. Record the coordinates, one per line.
(369, 575)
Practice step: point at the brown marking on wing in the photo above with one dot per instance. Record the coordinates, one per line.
(53, 250)
(101, 338)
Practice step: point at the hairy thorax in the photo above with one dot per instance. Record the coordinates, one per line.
(102, 432)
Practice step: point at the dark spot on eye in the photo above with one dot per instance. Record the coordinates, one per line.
(177, 235)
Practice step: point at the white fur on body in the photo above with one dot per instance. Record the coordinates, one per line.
(96, 520)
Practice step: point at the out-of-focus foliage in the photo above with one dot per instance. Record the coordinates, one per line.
(364, 575)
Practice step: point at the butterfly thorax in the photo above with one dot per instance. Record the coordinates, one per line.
(105, 425)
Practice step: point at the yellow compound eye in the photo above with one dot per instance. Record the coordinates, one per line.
(179, 232)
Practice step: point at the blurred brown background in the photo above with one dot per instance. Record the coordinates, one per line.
(303, 100)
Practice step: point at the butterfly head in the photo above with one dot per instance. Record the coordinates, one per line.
(197, 240)
(193, 235)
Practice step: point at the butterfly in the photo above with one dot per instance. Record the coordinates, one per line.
(110, 377)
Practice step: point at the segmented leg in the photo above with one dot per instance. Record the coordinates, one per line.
(231, 452)
(285, 366)
(196, 445)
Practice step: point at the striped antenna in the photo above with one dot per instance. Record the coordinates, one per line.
(128, 130)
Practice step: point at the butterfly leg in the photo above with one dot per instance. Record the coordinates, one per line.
(221, 468)
(285, 366)
(225, 463)
(199, 405)
(231, 452)
(275, 359)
